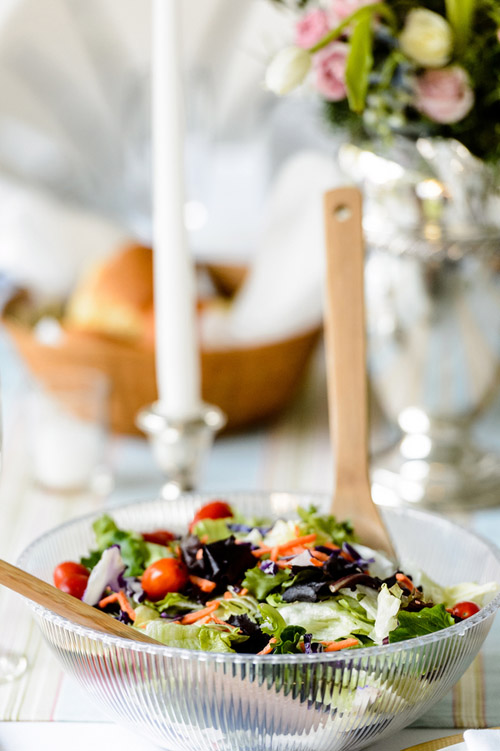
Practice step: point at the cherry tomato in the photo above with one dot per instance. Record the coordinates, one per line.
(74, 584)
(465, 609)
(213, 510)
(68, 568)
(160, 537)
(164, 576)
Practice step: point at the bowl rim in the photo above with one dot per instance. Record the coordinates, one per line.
(339, 658)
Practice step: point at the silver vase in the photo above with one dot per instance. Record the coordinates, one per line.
(432, 217)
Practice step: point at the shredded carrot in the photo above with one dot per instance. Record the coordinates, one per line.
(336, 646)
(243, 592)
(319, 555)
(269, 648)
(199, 614)
(284, 564)
(347, 556)
(274, 554)
(214, 619)
(199, 554)
(109, 600)
(315, 562)
(286, 546)
(329, 545)
(298, 541)
(204, 539)
(405, 581)
(204, 584)
(125, 605)
(228, 596)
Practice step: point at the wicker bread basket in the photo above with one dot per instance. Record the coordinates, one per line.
(250, 384)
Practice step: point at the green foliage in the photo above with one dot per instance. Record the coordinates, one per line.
(380, 79)
(359, 64)
(460, 16)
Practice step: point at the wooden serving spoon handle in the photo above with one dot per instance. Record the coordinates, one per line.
(65, 605)
(346, 366)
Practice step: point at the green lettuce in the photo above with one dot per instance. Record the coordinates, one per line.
(288, 643)
(329, 620)
(388, 607)
(273, 622)
(144, 614)
(326, 527)
(261, 584)
(426, 621)
(481, 594)
(137, 554)
(176, 604)
(200, 638)
(212, 530)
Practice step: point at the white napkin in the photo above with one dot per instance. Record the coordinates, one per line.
(284, 294)
(482, 740)
(45, 244)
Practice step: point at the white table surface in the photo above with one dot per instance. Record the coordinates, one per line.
(291, 454)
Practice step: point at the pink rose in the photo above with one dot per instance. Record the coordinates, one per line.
(330, 66)
(340, 9)
(311, 28)
(444, 95)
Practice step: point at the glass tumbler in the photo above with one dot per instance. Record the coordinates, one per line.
(69, 416)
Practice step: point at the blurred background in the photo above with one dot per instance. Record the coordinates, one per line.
(76, 264)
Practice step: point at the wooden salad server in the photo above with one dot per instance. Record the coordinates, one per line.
(346, 367)
(66, 605)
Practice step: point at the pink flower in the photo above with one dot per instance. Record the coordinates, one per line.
(444, 95)
(311, 28)
(340, 9)
(330, 67)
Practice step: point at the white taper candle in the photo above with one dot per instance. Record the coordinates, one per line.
(177, 354)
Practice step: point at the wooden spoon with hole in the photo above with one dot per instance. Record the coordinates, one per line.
(346, 367)
(63, 604)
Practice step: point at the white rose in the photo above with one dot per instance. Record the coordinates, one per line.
(288, 70)
(427, 38)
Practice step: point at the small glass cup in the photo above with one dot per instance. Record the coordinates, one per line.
(69, 414)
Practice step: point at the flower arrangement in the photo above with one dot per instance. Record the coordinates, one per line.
(413, 67)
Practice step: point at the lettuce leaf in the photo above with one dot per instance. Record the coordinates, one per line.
(426, 621)
(144, 614)
(326, 621)
(261, 584)
(388, 606)
(327, 528)
(137, 554)
(200, 638)
(176, 604)
(273, 622)
(481, 594)
(288, 643)
(212, 529)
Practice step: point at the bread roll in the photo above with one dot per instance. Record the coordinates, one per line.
(116, 298)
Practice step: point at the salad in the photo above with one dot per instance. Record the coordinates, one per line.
(253, 586)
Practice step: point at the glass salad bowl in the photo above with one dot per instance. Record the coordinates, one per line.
(205, 701)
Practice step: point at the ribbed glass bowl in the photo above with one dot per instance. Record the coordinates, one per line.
(202, 701)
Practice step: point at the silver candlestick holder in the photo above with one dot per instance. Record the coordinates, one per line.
(180, 447)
